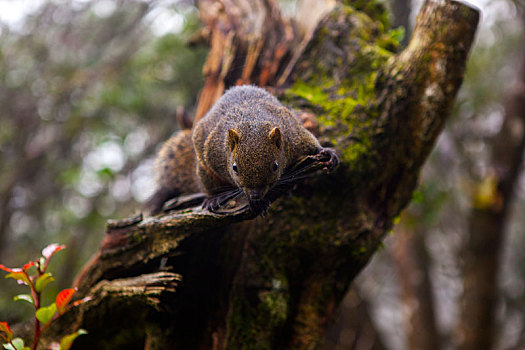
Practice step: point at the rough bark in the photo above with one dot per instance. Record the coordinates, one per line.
(250, 43)
(487, 224)
(276, 282)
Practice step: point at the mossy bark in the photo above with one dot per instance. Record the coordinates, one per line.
(276, 282)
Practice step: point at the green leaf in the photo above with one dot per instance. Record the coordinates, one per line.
(106, 173)
(45, 314)
(18, 343)
(398, 34)
(25, 297)
(42, 281)
(19, 276)
(67, 340)
(41, 263)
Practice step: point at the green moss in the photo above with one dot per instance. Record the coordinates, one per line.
(342, 90)
(353, 152)
(375, 9)
(396, 220)
(256, 322)
(138, 236)
(359, 251)
(274, 306)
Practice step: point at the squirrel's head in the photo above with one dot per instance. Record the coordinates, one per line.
(256, 158)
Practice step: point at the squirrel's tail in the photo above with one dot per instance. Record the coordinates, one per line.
(155, 203)
(183, 119)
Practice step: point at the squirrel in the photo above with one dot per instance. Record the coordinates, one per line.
(174, 171)
(247, 144)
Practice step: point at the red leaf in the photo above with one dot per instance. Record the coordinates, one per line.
(28, 265)
(51, 249)
(9, 269)
(4, 327)
(82, 301)
(18, 274)
(63, 299)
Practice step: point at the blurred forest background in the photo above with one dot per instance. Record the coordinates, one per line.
(90, 89)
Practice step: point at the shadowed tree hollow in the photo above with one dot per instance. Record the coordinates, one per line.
(192, 279)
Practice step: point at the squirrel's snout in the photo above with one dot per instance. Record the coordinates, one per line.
(257, 203)
(255, 195)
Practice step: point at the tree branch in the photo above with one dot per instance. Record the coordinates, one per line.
(277, 281)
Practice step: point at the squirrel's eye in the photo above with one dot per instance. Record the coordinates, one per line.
(275, 166)
(234, 166)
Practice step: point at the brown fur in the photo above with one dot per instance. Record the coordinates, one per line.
(242, 145)
(250, 128)
(174, 170)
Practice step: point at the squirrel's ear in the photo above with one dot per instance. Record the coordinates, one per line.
(233, 138)
(275, 136)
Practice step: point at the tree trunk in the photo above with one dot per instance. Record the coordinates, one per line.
(354, 328)
(197, 280)
(412, 261)
(487, 223)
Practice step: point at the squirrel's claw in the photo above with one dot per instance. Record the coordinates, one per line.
(328, 157)
(211, 203)
(214, 203)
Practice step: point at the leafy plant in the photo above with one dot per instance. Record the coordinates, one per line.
(34, 275)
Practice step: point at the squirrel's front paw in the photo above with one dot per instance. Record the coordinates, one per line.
(328, 157)
(211, 204)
